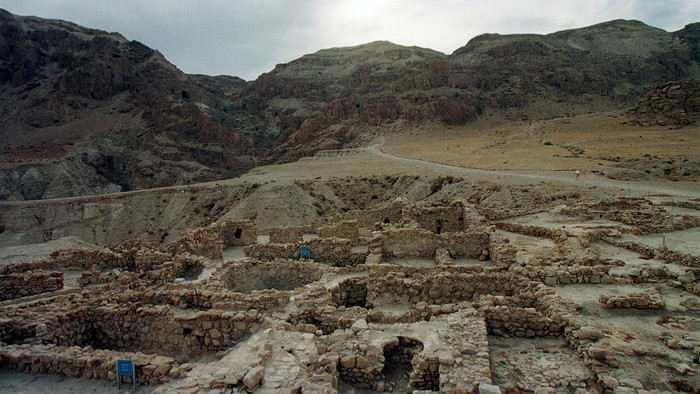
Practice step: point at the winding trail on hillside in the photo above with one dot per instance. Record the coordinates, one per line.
(633, 188)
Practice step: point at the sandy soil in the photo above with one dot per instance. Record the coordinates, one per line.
(35, 252)
(588, 142)
(685, 241)
(526, 161)
(20, 383)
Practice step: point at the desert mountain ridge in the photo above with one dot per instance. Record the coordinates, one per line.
(89, 112)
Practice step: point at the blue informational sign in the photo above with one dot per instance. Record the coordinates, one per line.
(125, 368)
(305, 253)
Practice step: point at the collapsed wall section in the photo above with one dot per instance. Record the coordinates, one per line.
(132, 327)
(18, 285)
(334, 251)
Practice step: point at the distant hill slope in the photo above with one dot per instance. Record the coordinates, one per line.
(519, 77)
(83, 111)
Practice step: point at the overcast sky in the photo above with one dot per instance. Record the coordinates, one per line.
(248, 37)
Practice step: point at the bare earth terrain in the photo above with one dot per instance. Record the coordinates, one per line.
(395, 289)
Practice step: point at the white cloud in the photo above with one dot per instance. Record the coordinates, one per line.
(248, 37)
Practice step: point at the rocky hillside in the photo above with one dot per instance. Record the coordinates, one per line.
(327, 99)
(85, 111)
(675, 103)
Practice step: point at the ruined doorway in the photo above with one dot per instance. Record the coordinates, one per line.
(398, 356)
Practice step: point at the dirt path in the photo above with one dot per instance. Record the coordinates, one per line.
(634, 188)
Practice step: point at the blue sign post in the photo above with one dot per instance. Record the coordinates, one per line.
(305, 253)
(126, 368)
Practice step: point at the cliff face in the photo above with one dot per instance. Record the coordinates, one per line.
(85, 111)
(327, 99)
(675, 103)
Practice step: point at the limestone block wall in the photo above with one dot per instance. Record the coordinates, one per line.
(438, 219)
(272, 251)
(521, 322)
(467, 335)
(131, 256)
(276, 275)
(351, 292)
(564, 275)
(362, 368)
(346, 229)
(286, 235)
(442, 288)
(333, 251)
(29, 283)
(238, 232)
(385, 213)
(409, 242)
(149, 329)
(220, 299)
(501, 251)
(87, 363)
(635, 212)
(534, 231)
(203, 241)
(471, 244)
(425, 374)
(650, 299)
(457, 363)
(662, 253)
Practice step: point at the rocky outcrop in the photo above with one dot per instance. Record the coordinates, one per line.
(92, 112)
(88, 112)
(519, 77)
(675, 103)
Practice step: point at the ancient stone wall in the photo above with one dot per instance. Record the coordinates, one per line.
(286, 235)
(334, 251)
(650, 299)
(565, 274)
(150, 329)
(534, 231)
(214, 296)
(521, 322)
(29, 283)
(471, 245)
(277, 275)
(662, 253)
(351, 292)
(636, 212)
(87, 363)
(441, 288)
(501, 251)
(238, 232)
(438, 219)
(409, 242)
(203, 241)
(383, 213)
(346, 229)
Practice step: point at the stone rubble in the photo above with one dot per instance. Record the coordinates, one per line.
(349, 316)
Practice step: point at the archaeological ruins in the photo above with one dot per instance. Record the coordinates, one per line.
(400, 297)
